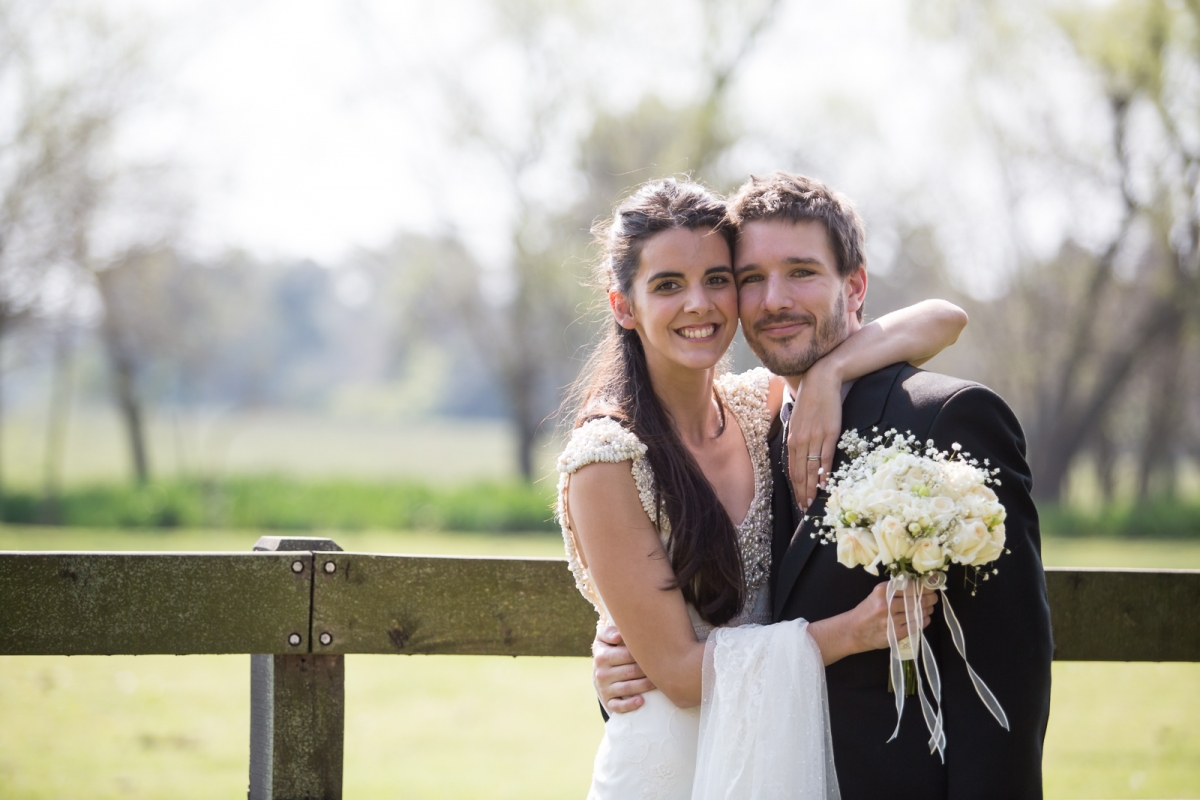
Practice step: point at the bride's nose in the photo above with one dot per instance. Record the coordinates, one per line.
(697, 301)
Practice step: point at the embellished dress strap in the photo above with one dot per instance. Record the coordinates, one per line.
(602, 440)
(745, 394)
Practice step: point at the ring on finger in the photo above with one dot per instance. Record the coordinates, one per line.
(813, 458)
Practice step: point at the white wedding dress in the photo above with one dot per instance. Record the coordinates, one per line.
(762, 730)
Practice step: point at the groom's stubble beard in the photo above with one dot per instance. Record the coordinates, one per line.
(828, 333)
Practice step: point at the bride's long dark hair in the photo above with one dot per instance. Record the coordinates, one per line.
(616, 383)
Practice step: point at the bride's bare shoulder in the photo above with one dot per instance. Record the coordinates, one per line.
(603, 479)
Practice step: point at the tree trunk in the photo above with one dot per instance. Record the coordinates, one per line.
(1106, 465)
(130, 409)
(1162, 424)
(56, 423)
(1066, 431)
(522, 393)
(1049, 465)
(124, 373)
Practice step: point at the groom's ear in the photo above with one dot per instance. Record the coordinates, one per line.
(621, 310)
(856, 291)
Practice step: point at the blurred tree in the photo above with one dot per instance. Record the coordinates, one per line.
(1077, 336)
(519, 312)
(141, 319)
(50, 126)
(73, 213)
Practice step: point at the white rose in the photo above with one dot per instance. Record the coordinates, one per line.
(915, 478)
(850, 505)
(880, 502)
(992, 548)
(967, 539)
(855, 547)
(927, 556)
(885, 476)
(958, 479)
(893, 540)
(981, 503)
(994, 512)
(913, 510)
(941, 510)
(975, 506)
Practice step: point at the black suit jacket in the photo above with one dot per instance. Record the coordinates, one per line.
(1007, 623)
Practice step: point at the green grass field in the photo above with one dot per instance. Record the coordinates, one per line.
(306, 445)
(473, 727)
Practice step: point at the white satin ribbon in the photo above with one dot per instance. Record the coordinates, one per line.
(960, 644)
(909, 587)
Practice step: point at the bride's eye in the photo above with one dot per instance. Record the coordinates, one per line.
(666, 286)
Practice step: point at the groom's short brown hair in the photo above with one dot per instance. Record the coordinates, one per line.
(795, 198)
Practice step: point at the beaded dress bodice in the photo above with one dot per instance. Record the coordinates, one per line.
(606, 440)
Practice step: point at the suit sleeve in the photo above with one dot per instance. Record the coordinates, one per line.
(1006, 622)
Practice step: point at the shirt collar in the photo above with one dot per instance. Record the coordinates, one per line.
(789, 399)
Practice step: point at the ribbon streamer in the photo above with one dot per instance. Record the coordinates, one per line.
(909, 587)
(960, 644)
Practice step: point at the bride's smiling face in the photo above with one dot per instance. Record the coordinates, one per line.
(683, 302)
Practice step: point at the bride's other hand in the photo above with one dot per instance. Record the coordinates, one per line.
(813, 432)
(865, 626)
(619, 681)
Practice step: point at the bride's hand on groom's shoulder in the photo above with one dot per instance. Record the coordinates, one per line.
(813, 432)
(619, 681)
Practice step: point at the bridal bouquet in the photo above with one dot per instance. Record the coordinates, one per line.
(914, 511)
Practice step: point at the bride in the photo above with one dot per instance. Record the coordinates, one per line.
(665, 505)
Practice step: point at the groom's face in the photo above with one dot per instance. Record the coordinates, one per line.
(794, 305)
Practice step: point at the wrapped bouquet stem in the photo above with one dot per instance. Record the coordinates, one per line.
(915, 512)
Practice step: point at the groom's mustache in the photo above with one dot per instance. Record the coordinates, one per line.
(771, 320)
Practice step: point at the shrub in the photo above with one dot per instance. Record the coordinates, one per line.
(289, 504)
(1159, 520)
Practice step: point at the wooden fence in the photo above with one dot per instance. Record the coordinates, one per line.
(300, 605)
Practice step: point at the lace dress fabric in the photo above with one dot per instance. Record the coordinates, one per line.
(651, 753)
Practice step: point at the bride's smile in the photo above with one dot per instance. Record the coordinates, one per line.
(698, 332)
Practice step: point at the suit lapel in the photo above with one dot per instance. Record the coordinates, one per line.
(862, 409)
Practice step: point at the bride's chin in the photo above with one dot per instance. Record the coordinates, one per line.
(697, 363)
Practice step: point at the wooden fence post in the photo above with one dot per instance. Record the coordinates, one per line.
(297, 705)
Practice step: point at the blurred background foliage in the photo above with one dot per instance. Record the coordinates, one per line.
(1039, 167)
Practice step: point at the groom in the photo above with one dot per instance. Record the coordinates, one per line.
(802, 283)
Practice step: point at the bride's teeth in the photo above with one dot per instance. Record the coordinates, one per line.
(698, 333)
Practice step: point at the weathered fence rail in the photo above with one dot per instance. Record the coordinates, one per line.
(300, 605)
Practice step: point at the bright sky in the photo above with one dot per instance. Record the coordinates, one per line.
(303, 131)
